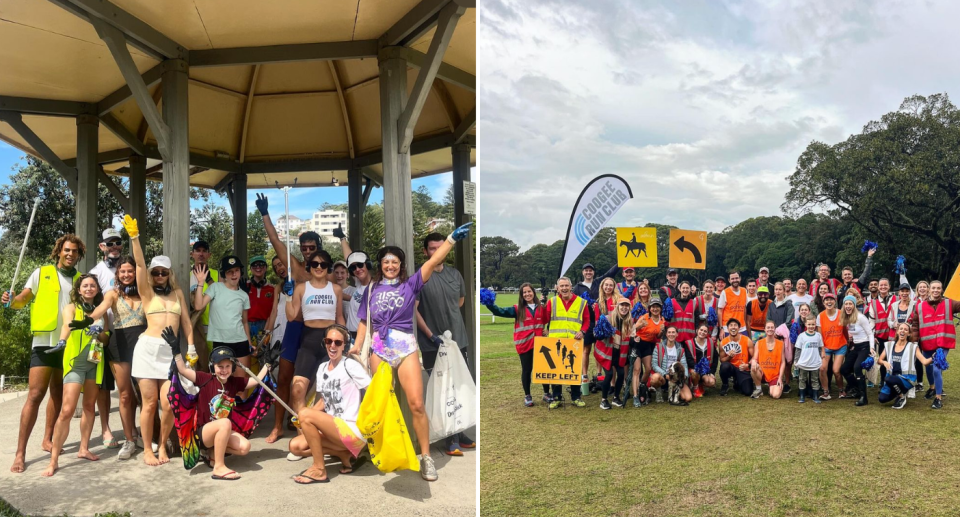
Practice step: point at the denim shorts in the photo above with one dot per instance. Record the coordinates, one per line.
(840, 351)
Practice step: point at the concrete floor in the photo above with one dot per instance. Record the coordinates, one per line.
(82, 487)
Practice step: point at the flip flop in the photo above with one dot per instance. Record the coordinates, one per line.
(356, 464)
(112, 443)
(224, 477)
(312, 480)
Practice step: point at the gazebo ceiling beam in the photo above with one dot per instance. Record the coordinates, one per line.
(284, 53)
(136, 31)
(343, 108)
(449, 16)
(413, 25)
(107, 157)
(108, 182)
(118, 48)
(446, 72)
(16, 122)
(120, 131)
(465, 126)
(318, 164)
(122, 94)
(150, 151)
(30, 106)
(251, 91)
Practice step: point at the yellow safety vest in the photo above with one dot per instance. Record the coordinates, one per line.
(46, 301)
(79, 339)
(566, 322)
(205, 317)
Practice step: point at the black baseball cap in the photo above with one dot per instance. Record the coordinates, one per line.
(671, 271)
(588, 266)
(229, 262)
(905, 286)
(201, 244)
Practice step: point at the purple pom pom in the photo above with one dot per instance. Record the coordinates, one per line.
(487, 297)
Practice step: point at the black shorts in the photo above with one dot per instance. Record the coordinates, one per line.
(312, 353)
(240, 348)
(39, 359)
(122, 342)
(644, 348)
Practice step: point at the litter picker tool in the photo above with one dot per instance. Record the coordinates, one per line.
(294, 420)
(23, 249)
(286, 224)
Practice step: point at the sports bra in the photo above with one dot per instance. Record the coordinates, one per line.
(318, 304)
(157, 305)
(127, 316)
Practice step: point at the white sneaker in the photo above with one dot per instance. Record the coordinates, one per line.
(77, 413)
(154, 447)
(126, 450)
(293, 457)
(912, 394)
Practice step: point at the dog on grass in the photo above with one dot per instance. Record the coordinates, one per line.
(676, 379)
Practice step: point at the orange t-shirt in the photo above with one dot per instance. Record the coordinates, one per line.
(736, 306)
(738, 349)
(769, 360)
(650, 333)
(758, 317)
(832, 331)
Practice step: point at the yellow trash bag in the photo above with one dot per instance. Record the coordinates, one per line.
(382, 425)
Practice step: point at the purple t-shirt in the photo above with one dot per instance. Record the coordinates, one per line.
(392, 305)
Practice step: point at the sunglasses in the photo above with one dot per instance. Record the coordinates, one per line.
(306, 247)
(160, 273)
(113, 244)
(318, 265)
(258, 265)
(334, 342)
(354, 267)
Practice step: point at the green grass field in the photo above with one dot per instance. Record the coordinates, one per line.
(718, 456)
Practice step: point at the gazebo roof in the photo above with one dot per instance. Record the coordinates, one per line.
(257, 111)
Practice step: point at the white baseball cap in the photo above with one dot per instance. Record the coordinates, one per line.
(110, 233)
(357, 257)
(159, 261)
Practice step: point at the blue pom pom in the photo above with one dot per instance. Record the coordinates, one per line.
(638, 310)
(711, 317)
(603, 329)
(703, 366)
(867, 246)
(487, 297)
(628, 291)
(867, 363)
(668, 309)
(899, 268)
(794, 331)
(940, 359)
(586, 298)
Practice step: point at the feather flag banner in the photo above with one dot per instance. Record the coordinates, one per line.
(867, 246)
(487, 297)
(598, 203)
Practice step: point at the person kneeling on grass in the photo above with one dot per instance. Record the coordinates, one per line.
(900, 358)
(218, 392)
(665, 354)
(330, 426)
(735, 360)
(767, 364)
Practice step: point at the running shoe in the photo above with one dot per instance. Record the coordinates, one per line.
(636, 402)
(825, 396)
(919, 386)
(547, 398)
(127, 449)
(757, 393)
(617, 402)
(912, 394)
(659, 397)
(900, 403)
(937, 404)
(786, 389)
(870, 384)
(555, 403)
(932, 392)
(698, 392)
(528, 401)
(428, 470)
(604, 404)
(579, 403)
(842, 395)
(723, 390)
(817, 400)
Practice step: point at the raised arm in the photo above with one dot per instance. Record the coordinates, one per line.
(186, 325)
(200, 298)
(65, 330)
(338, 294)
(344, 245)
(143, 285)
(108, 300)
(867, 268)
(293, 304)
(503, 312)
(458, 235)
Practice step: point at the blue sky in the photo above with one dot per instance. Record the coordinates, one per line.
(303, 201)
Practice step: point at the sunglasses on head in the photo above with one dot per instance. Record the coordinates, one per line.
(318, 265)
(334, 342)
(113, 244)
(160, 272)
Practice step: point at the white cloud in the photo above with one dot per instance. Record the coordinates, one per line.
(703, 108)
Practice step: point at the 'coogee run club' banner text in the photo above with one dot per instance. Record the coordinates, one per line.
(598, 202)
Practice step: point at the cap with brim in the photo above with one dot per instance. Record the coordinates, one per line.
(628, 269)
(671, 271)
(201, 244)
(357, 257)
(229, 262)
(221, 353)
(110, 233)
(624, 301)
(720, 278)
(340, 263)
(587, 266)
(656, 302)
(763, 289)
(764, 269)
(829, 295)
(258, 258)
(905, 286)
(160, 261)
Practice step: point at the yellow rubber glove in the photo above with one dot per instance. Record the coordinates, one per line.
(130, 224)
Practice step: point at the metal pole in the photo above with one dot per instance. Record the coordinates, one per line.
(286, 225)
(268, 390)
(23, 248)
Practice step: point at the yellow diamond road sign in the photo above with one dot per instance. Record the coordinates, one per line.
(637, 247)
(688, 249)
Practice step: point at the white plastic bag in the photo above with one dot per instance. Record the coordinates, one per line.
(873, 374)
(451, 397)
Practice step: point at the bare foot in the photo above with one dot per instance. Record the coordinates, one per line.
(274, 435)
(87, 455)
(46, 446)
(51, 470)
(163, 456)
(150, 459)
(18, 465)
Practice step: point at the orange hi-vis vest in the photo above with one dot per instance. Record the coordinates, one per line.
(738, 348)
(736, 307)
(832, 331)
(769, 360)
(758, 318)
(683, 319)
(936, 325)
(528, 327)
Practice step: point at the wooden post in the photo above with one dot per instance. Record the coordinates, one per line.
(176, 173)
(87, 183)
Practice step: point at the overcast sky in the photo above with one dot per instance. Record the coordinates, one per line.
(703, 107)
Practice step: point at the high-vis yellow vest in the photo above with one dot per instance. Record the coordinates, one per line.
(79, 339)
(566, 322)
(46, 301)
(205, 317)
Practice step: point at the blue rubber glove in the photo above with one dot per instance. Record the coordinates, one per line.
(60, 346)
(461, 233)
(262, 204)
(436, 340)
(288, 288)
(94, 330)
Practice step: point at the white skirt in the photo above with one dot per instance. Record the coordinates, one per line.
(151, 358)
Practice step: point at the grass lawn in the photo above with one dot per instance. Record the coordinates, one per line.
(718, 456)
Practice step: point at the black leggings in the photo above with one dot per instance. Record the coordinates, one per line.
(526, 372)
(742, 381)
(920, 368)
(851, 369)
(614, 366)
(897, 388)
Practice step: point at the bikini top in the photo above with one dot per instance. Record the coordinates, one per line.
(157, 305)
(127, 316)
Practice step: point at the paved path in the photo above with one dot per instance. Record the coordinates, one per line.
(83, 488)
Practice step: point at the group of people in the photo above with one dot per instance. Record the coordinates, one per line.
(744, 336)
(123, 326)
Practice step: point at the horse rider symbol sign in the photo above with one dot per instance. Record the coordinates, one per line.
(637, 247)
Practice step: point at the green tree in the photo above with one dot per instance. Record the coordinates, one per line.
(256, 235)
(214, 224)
